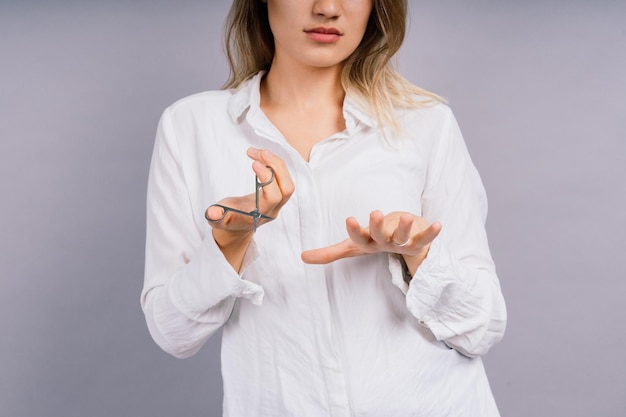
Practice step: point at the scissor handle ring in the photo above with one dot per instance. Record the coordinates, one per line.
(206, 212)
(263, 184)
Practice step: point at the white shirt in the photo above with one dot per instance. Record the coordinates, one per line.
(346, 339)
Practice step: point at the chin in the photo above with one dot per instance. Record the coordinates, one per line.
(325, 61)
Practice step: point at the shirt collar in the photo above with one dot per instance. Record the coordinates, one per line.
(244, 97)
(248, 96)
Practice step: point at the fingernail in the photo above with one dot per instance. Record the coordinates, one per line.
(253, 151)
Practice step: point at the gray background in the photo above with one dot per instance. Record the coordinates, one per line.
(537, 86)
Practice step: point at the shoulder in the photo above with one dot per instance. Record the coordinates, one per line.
(190, 119)
(220, 106)
(207, 102)
(427, 110)
(431, 117)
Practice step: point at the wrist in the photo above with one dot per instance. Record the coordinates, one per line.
(412, 262)
(227, 239)
(233, 245)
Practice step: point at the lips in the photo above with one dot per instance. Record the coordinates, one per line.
(329, 31)
(324, 34)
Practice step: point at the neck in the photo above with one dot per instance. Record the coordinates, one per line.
(302, 88)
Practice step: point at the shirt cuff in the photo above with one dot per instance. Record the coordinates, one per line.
(435, 290)
(208, 279)
(397, 273)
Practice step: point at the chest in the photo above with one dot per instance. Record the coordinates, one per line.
(350, 174)
(367, 174)
(304, 129)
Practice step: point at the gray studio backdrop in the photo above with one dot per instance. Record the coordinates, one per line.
(538, 88)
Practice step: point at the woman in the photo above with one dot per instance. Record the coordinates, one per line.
(382, 314)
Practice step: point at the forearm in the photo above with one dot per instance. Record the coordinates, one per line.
(233, 246)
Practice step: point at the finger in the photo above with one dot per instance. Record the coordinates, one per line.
(231, 219)
(429, 234)
(377, 227)
(357, 234)
(401, 236)
(266, 178)
(282, 176)
(270, 195)
(265, 175)
(345, 249)
(214, 213)
(420, 241)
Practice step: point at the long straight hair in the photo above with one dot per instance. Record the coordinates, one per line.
(368, 73)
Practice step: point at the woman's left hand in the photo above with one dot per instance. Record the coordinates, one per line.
(397, 232)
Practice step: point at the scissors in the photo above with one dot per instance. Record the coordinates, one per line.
(255, 214)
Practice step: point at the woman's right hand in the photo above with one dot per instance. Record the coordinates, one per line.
(234, 231)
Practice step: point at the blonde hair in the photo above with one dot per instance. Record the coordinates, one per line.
(367, 73)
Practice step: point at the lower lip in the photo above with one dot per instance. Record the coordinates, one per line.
(323, 37)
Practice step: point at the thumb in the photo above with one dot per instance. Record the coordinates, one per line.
(329, 253)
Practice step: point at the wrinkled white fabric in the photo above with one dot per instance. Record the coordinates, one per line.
(346, 339)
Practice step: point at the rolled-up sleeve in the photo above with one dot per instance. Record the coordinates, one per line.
(455, 292)
(189, 287)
